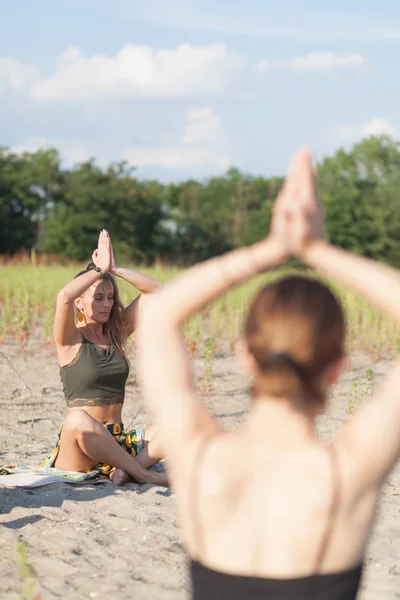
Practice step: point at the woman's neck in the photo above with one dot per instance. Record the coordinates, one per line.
(281, 419)
(95, 331)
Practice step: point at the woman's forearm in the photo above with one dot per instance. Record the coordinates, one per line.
(204, 282)
(378, 283)
(78, 286)
(145, 284)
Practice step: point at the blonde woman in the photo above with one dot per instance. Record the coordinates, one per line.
(269, 511)
(94, 369)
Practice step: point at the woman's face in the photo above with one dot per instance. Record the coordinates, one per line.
(97, 302)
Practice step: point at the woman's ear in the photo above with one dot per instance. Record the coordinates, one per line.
(78, 303)
(246, 359)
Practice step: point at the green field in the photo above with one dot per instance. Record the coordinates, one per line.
(28, 293)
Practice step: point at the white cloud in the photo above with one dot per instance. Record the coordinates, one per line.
(16, 74)
(317, 61)
(140, 72)
(175, 157)
(201, 145)
(376, 127)
(71, 152)
(323, 61)
(136, 72)
(202, 126)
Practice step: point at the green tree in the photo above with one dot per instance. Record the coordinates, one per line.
(93, 199)
(359, 190)
(62, 211)
(29, 185)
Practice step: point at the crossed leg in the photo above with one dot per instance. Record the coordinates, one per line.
(84, 442)
(149, 456)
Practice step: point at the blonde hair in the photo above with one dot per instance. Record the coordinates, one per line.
(295, 328)
(114, 328)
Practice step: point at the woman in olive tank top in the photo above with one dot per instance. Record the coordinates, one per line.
(269, 511)
(94, 370)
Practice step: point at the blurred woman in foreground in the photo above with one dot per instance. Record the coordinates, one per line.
(269, 511)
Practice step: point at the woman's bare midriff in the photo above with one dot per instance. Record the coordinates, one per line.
(103, 414)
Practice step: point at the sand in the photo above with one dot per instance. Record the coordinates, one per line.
(104, 542)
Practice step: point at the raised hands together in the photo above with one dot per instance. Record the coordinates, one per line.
(103, 256)
(297, 218)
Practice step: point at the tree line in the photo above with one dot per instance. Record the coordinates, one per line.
(61, 211)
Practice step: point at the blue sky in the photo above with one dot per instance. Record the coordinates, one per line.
(187, 88)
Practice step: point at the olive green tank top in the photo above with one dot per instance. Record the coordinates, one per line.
(95, 377)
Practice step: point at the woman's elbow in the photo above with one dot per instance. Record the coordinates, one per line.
(63, 297)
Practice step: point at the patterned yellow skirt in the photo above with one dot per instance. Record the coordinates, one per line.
(131, 440)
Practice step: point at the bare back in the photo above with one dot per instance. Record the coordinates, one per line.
(273, 511)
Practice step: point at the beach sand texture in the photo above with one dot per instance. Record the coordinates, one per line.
(99, 541)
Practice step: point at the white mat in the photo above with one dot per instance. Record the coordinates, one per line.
(32, 480)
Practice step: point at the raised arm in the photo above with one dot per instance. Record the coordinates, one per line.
(163, 362)
(146, 286)
(64, 330)
(371, 439)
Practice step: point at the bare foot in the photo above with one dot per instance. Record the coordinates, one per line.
(162, 479)
(120, 476)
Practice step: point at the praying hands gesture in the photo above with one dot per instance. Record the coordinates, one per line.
(297, 218)
(103, 256)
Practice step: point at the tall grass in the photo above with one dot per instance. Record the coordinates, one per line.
(28, 294)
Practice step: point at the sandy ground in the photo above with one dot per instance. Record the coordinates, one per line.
(105, 542)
